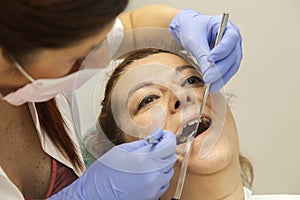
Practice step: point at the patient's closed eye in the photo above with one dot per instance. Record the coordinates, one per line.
(146, 100)
(193, 80)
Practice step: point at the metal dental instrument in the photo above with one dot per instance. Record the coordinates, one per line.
(218, 39)
(182, 138)
(191, 137)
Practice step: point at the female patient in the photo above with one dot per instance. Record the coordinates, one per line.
(223, 172)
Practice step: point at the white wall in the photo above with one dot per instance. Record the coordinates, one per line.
(266, 87)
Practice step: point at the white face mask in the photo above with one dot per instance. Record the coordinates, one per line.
(41, 90)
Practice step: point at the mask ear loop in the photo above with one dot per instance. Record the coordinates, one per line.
(18, 66)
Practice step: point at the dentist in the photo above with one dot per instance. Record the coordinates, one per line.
(42, 46)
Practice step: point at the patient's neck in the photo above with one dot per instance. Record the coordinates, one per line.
(225, 184)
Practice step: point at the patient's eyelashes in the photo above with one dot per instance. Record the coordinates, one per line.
(146, 100)
(193, 80)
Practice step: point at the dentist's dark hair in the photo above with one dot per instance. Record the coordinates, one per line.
(28, 26)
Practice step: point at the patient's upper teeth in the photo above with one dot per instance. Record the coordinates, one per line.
(204, 119)
(192, 122)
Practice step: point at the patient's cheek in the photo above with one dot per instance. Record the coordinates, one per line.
(144, 123)
(143, 120)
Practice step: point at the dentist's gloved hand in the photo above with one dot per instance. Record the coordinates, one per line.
(136, 170)
(197, 33)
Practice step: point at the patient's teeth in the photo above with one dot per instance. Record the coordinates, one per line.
(190, 127)
(192, 122)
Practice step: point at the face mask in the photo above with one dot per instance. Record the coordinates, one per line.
(41, 90)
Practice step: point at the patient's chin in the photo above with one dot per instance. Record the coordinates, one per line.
(222, 154)
(216, 160)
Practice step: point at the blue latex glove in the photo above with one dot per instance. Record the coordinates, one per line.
(124, 172)
(197, 33)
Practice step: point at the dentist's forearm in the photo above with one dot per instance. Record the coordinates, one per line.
(148, 16)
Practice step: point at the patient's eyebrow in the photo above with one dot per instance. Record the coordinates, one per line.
(145, 84)
(183, 67)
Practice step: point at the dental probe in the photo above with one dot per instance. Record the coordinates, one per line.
(207, 86)
(191, 137)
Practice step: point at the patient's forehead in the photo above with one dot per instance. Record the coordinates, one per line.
(166, 59)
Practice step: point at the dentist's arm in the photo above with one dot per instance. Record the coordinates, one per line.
(136, 170)
(196, 33)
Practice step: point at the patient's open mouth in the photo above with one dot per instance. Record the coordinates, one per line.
(189, 128)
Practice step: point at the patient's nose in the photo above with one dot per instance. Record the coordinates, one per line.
(180, 100)
(178, 103)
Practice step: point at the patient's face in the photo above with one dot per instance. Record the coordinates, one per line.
(175, 93)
